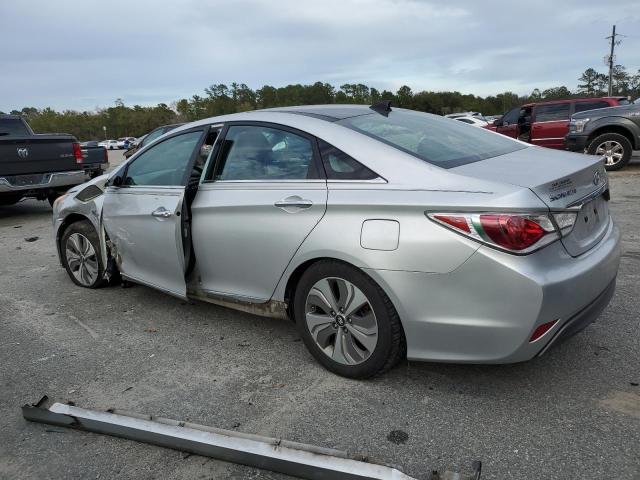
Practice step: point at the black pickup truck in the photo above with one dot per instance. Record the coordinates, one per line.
(42, 166)
(612, 133)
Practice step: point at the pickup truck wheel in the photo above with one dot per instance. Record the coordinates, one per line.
(81, 257)
(347, 321)
(614, 148)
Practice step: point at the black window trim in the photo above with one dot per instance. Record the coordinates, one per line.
(204, 130)
(213, 166)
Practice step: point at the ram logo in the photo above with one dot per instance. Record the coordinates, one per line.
(23, 152)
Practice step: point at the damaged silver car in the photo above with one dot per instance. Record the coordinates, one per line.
(382, 233)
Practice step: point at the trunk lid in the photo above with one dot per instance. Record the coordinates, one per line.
(561, 180)
(44, 154)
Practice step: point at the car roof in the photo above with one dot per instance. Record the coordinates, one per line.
(331, 113)
(569, 100)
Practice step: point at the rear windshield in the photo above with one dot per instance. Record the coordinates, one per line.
(440, 141)
(12, 127)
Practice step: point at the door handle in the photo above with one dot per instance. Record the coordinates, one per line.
(293, 202)
(161, 212)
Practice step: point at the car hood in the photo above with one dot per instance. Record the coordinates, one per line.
(621, 110)
(558, 178)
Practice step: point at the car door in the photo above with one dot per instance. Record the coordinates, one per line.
(550, 124)
(259, 200)
(142, 213)
(508, 124)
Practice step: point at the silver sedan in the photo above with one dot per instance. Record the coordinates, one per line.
(382, 233)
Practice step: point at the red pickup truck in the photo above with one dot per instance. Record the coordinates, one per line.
(546, 123)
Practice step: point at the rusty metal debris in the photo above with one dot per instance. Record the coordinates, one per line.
(278, 455)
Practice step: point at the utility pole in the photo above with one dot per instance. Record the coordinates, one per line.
(613, 45)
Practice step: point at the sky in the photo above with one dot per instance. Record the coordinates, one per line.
(84, 54)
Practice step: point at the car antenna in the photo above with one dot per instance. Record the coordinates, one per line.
(383, 108)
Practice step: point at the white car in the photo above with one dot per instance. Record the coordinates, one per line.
(109, 144)
(475, 121)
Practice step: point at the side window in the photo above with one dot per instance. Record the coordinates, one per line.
(511, 116)
(152, 136)
(340, 166)
(165, 163)
(582, 106)
(263, 153)
(550, 113)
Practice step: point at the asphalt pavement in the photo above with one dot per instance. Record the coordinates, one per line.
(574, 413)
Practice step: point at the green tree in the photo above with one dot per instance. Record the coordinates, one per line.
(589, 80)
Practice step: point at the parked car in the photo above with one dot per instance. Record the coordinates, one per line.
(125, 142)
(109, 144)
(546, 123)
(150, 137)
(612, 133)
(382, 233)
(470, 120)
(40, 166)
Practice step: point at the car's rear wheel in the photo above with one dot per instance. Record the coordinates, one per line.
(80, 248)
(346, 321)
(614, 148)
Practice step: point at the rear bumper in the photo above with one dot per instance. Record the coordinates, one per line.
(582, 319)
(487, 310)
(575, 143)
(47, 181)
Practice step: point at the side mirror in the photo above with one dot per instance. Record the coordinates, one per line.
(498, 123)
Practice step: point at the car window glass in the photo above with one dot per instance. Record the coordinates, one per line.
(263, 153)
(582, 106)
(511, 116)
(465, 120)
(550, 113)
(432, 138)
(165, 163)
(340, 166)
(12, 127)
(152, 136)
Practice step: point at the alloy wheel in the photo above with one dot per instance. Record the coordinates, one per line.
(611, 151)
(82, 259)
(341, 321)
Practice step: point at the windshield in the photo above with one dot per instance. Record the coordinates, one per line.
(440, 141)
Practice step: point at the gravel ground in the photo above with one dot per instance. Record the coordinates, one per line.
(574, 413)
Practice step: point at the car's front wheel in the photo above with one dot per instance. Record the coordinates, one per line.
(346, 321)
(80, 248)
(614, 148)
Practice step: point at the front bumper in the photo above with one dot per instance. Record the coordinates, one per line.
(45, 181)
(575, 142)
(486, 310)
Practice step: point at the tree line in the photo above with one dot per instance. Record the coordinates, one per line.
(218, 99)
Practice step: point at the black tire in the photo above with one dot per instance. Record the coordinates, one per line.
(627, 148)
(84, 228)
(391, 344)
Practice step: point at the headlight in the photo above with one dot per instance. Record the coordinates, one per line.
(577, 126)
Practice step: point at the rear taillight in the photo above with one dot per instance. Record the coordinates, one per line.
(512, 232)
(519, 233)
(77, 152)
